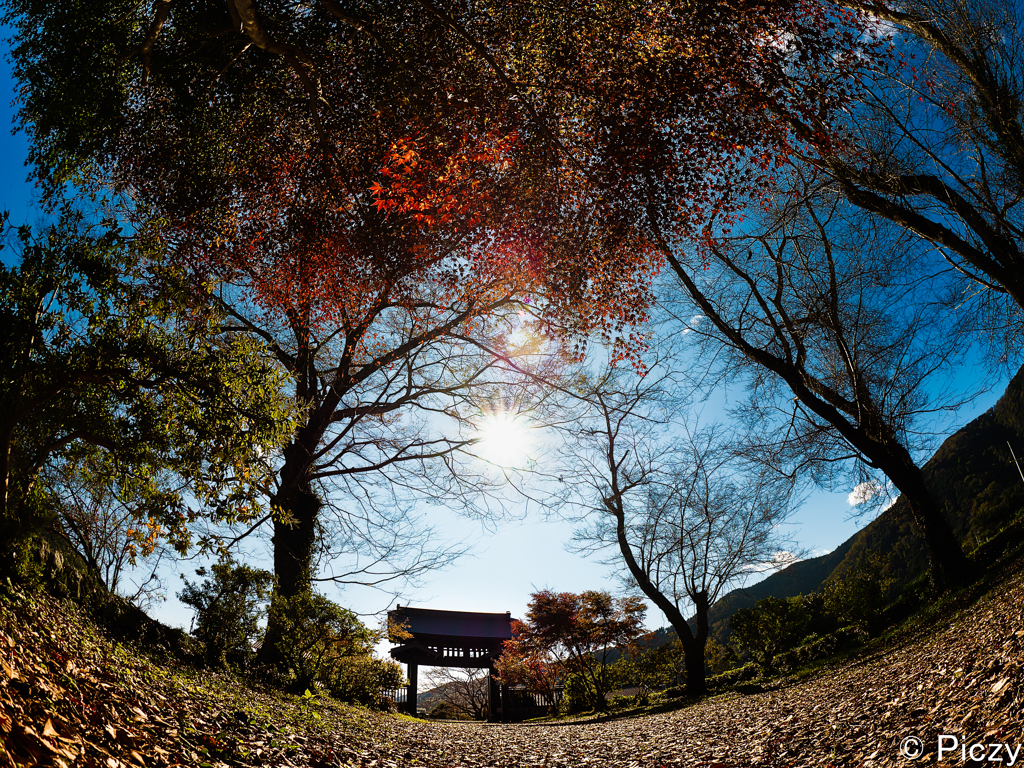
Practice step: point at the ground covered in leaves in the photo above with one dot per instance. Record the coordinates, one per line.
(70, 697)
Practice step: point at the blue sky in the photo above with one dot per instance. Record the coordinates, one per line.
(506, 565)
(16, 194)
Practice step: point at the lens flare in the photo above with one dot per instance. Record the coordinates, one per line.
(504, 440)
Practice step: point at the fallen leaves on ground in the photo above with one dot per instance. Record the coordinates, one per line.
(71, 698)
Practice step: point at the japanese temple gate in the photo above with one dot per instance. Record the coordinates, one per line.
(450, 639)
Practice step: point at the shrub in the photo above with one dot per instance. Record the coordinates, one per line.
(363, 680)
(317, 635)
(229, 605)
(445, 710)
(771, 627)
(586, 692)
(811, 639)
(327, 646)
(575, 696)
(623, 702)
(859, 596)
(719, 658)
(736, 676)
(822, 647)
(650, 669)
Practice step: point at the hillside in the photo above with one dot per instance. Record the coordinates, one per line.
(797, 579)
(69, 696)
(973, 475)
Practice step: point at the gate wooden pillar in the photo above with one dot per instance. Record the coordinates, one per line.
(495, 700)
(410, 696)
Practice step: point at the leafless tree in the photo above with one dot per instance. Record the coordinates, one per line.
(106, 525)
(464, 691)
(938, 147)
(681, 510)
(830, 315)
(388, 426)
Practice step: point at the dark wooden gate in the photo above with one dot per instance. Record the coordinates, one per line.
(450, 639)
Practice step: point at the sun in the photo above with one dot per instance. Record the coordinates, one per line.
(505, 439)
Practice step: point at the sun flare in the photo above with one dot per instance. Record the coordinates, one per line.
(504, 439)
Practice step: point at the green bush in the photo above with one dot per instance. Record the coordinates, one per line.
(576, 696)
(811, 639)
(444, 710)
(583, 693)
(327, 646)
(650, 669)
(822, 647)
(363, 680)
(317, 635)
(771, 627)
(719, 658)
(860, 595)
(623, 702)
(743, 674)
(229, 605)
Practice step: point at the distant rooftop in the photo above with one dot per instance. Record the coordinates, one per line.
(429, 621)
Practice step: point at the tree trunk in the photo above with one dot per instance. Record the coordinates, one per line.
(948, 566)
(694, 645)
(295, 505)
(294, 538)
(696, 679)
(296, 509)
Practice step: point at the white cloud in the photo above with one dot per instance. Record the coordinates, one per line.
(779, 560)
(863, 493)
(874, 493)
(693, 323)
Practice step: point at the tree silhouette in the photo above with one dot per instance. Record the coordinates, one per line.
(841, 344)
(935, 144)
(676, 505)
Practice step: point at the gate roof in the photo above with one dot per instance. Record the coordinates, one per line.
(453, 624)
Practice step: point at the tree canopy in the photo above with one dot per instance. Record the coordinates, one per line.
(380, 197)
(95, 355)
